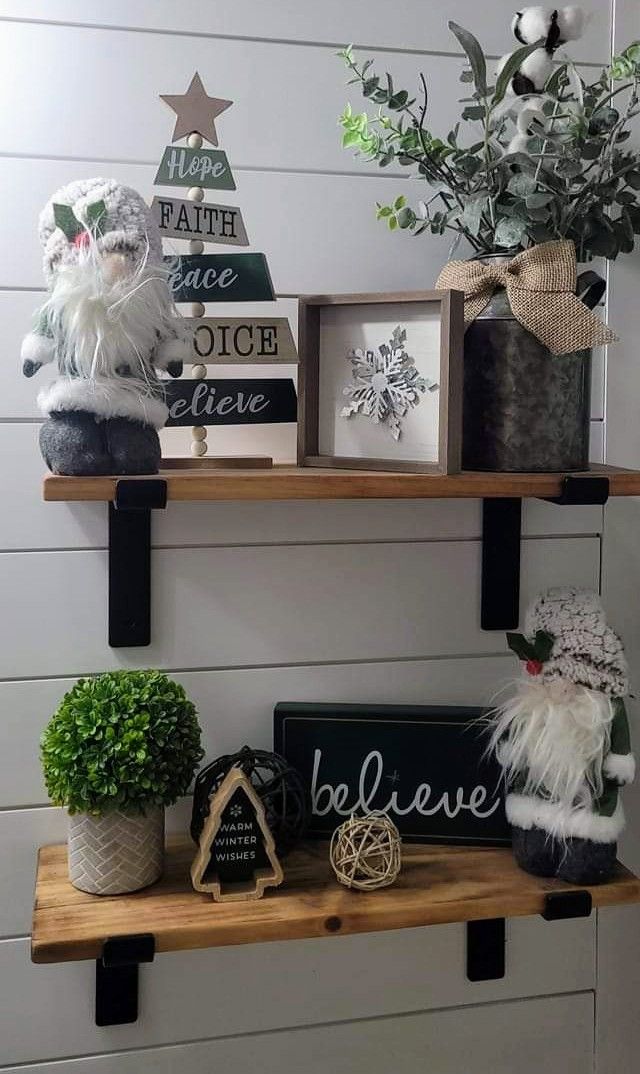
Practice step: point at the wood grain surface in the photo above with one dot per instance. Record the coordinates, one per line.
(311, 483)
(437, 885)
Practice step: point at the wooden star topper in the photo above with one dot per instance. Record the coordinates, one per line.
(196, 111)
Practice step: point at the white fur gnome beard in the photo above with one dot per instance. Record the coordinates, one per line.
(557, 733)
(101, 325)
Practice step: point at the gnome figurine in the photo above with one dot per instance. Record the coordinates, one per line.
(110, 323)
(562, 739)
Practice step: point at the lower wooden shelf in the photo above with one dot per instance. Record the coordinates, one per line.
(437, 885)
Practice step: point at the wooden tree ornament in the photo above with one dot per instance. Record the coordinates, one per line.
(197, 278)
(198, 370)
(236, 859)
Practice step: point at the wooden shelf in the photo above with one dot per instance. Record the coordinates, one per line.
(437, 885)
(298, 483)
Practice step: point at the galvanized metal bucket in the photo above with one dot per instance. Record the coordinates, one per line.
(525, 409)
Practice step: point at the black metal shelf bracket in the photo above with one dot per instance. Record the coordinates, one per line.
(130, 559)
(590, 490)
(486, 949)
(561, 905)
(117, 977)
(501, 540)
(501, 530)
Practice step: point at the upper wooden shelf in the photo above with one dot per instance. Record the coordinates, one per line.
(437, 885)
(297, 483)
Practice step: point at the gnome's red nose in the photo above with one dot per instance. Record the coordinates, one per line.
(534, 667)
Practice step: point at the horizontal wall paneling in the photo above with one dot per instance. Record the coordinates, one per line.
(270, 986)
(419, 25)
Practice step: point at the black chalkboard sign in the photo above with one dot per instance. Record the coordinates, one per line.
(237, 850)
(249, 401)
(424, 766)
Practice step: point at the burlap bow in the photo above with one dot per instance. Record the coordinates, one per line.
(540, 284)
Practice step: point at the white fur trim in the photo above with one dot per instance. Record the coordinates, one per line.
(105, 399)
(172, 350)
(37, 349)
(620, 766)
(526, 811)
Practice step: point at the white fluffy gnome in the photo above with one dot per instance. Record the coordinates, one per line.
(110, 323)
(563, 739)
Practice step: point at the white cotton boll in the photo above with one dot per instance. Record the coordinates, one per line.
(571, 22)
(530, 24)
(537, 67)
(527, 115)
(518, 143)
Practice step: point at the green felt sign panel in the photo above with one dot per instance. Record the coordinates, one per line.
(241, 340)
(220, 278)
(207, 168)
(180, 219)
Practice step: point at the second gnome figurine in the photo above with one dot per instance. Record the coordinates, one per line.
(109, 323)
(562, 739)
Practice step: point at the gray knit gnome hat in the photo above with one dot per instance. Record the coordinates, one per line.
(570, 625)
(116, 215)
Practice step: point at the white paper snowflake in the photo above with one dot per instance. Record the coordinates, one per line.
(385, 385)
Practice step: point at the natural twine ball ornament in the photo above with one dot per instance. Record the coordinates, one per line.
(365, 852)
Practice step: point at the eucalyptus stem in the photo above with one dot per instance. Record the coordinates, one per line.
(582, 183)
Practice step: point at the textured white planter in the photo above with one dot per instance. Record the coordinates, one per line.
(116, 853)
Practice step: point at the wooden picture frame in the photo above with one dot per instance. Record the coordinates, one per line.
(313, 310)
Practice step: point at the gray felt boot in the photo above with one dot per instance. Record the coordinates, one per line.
(576, 861)
(134, 448)
(586, 862)
(72, 442)
(535, 851)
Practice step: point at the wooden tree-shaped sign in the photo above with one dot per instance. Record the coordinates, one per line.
(236, 859)
(233, 275)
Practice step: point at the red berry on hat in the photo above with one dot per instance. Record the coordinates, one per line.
(81, 239)
(534, 667)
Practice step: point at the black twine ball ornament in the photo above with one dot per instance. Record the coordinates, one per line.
(278, 785)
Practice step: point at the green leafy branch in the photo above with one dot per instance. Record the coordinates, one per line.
(572, 178)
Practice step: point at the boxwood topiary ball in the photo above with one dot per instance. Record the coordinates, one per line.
(279, 787)
(121, 741)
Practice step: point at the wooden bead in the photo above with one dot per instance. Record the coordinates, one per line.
(195, 193)
(196, 246)
(199, 432)
(198, 372)
(199, 447)
(197, 309)
(194, 141)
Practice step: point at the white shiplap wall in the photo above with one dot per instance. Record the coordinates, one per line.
(255, 603)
